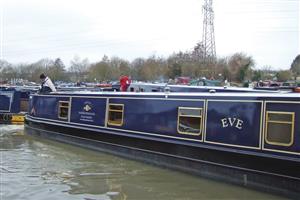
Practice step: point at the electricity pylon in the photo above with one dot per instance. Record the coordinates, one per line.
(208, 37)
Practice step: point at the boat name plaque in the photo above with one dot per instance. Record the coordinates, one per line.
(87, 115)
(232, 122)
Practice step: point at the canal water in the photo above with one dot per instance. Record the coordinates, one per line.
(38, 169)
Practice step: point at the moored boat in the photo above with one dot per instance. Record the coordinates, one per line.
(161, 87)
(251, 139)
(13, 104)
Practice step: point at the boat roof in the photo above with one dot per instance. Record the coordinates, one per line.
(198, 87)
(184, 94)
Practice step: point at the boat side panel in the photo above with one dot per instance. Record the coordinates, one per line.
(5, 100)
(88, 111)
(290, 108)
(155, 116)
(236, 123)
(46, 106)
(10, 101)
(15, 106)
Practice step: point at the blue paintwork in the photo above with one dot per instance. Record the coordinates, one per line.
(246, 133)
(46, 107)
(10, 101)
(96, 116)
(282, 107)
(153, 118)
(5, 99)
(11, 97)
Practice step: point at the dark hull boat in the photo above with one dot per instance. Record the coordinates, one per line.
(13, 104)
(250, 139)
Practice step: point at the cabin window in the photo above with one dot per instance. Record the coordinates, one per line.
(189, 121)
(63, 110)
(115, 114)
(280, 128)
(24, 105)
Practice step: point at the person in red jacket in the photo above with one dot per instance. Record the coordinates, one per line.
(124, 83)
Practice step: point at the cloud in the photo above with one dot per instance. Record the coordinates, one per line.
(36, 29)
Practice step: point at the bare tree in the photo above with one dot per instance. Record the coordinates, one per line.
(79, 69)
(295, 67)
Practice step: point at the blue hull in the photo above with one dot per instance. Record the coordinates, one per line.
(249, 139)
(13, 104)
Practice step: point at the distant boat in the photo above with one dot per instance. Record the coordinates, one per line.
(14, 104)
(162, 87)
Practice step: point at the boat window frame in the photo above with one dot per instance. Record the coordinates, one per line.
(61, 106)
(192, 116)
(110, 123)
(292, 123)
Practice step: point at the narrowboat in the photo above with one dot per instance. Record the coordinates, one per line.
(13, 104)
(161, 87)
(250, 139)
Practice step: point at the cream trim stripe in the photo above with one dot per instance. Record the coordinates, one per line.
(110, 128)
(175, 156)
(200, 145)
(264, 134)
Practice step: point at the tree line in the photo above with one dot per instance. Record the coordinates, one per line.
(238, 67)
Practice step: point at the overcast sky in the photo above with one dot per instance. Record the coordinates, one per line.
(268, 30)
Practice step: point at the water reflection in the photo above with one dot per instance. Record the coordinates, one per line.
(34, 168)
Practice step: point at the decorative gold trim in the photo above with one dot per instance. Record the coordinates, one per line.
(282, 151)
(192, 116)
(205, 120)
(106, 113)
(289, 102)
(70, 109)
(111, 128)
(276, 150)
(280, 122)
(262, 141)
(61, 106)
(233, 145)
(280, 112)
(114, 110)
(112, 123)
